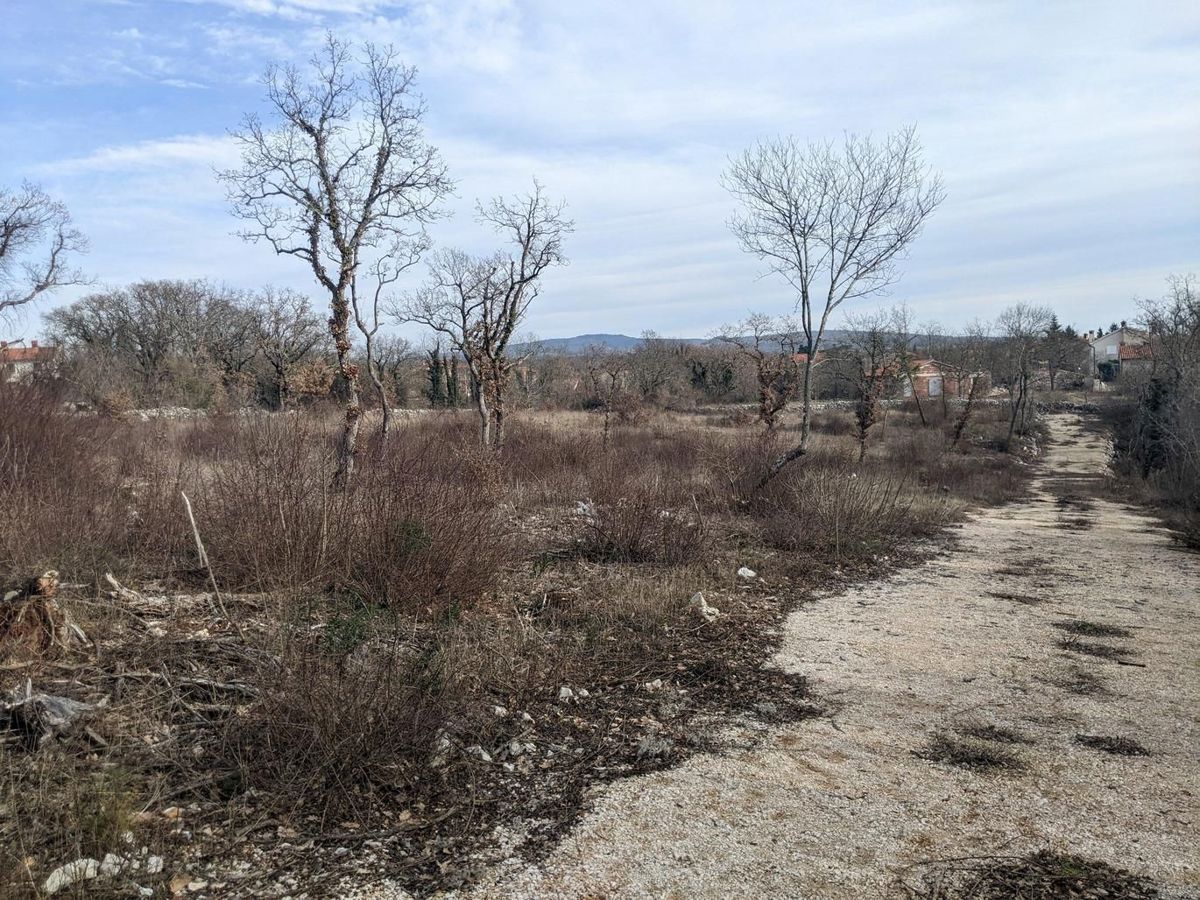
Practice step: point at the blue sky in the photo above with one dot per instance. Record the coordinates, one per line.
(1068, 135)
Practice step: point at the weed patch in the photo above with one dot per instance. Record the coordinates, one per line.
(1084, 628)
(970, 754)
(1115, 746)
(1099, 651)
(1038, 876)
(999, 734)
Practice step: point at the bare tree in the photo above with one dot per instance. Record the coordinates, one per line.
(877, 361)
(1173, 324)
(392, 354)
(833, 222)
(37, 242)
(769, 344)
(1065, 351)
(1023, 327)
(478, 302)
(367, 318)
(288, 331)
(605, 369)
(652, 363)
(905, 355)
(964, 359)
(343, 180)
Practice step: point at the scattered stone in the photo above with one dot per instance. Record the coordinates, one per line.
(73, 872)
(113, 864)
(746, 573)
(565, 694)
(702, 609)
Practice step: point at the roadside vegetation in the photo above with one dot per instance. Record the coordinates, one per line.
(458, 640)
(1155, 418)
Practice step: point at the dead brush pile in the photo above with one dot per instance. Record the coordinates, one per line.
(454, 642)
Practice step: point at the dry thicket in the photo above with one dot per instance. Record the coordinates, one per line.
(458, 636)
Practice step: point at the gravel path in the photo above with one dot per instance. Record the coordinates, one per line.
(836, 807)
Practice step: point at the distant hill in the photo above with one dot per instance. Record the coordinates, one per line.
(623, 342)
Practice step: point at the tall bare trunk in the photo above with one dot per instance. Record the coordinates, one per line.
(912, 386)
(485, 416)
(961, 425)
(801, 447)
(373, 371)
(498, 418)
(339, 329)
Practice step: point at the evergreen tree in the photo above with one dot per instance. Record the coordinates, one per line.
(437, 382)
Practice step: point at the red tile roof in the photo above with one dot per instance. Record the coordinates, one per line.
(1135, 351)
(9, 355)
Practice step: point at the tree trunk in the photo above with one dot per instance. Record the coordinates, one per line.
(961, 425)
(339, 329)
(485, 414)
(1018, 400)
(801, 448)
(498, 419)
(373, 370)
(917, 399)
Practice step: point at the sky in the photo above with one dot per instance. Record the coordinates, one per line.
(1067, 135)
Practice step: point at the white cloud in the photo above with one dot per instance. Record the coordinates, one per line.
(173, 154)
(1065, 132)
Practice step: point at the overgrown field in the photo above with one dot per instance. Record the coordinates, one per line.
(426, 670)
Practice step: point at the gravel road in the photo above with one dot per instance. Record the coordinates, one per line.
(839, 806)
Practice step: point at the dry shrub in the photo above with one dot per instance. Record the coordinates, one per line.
(59, 805)
(834, 511)
(334, 728)
(417, 528)
(61, 500)
(635, 523)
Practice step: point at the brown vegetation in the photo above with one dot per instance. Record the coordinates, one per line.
(454, 640)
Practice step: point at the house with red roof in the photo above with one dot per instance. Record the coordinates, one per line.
(18, 363)
(1136, 359)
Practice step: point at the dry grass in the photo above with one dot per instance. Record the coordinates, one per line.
(966, 753)
(1044, 875)
(1084, 628)
(1114, 746)
(388, 646)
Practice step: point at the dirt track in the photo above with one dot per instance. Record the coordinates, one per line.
(838, 806)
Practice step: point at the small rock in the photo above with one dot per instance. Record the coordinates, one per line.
(702, 609)
(746, 573)
(195, 886)
(477, 751)
(154, 865)
(67, 875)
(500, 711)
(112, 864)
(565, 693)
(526, 717)
(656, 684)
